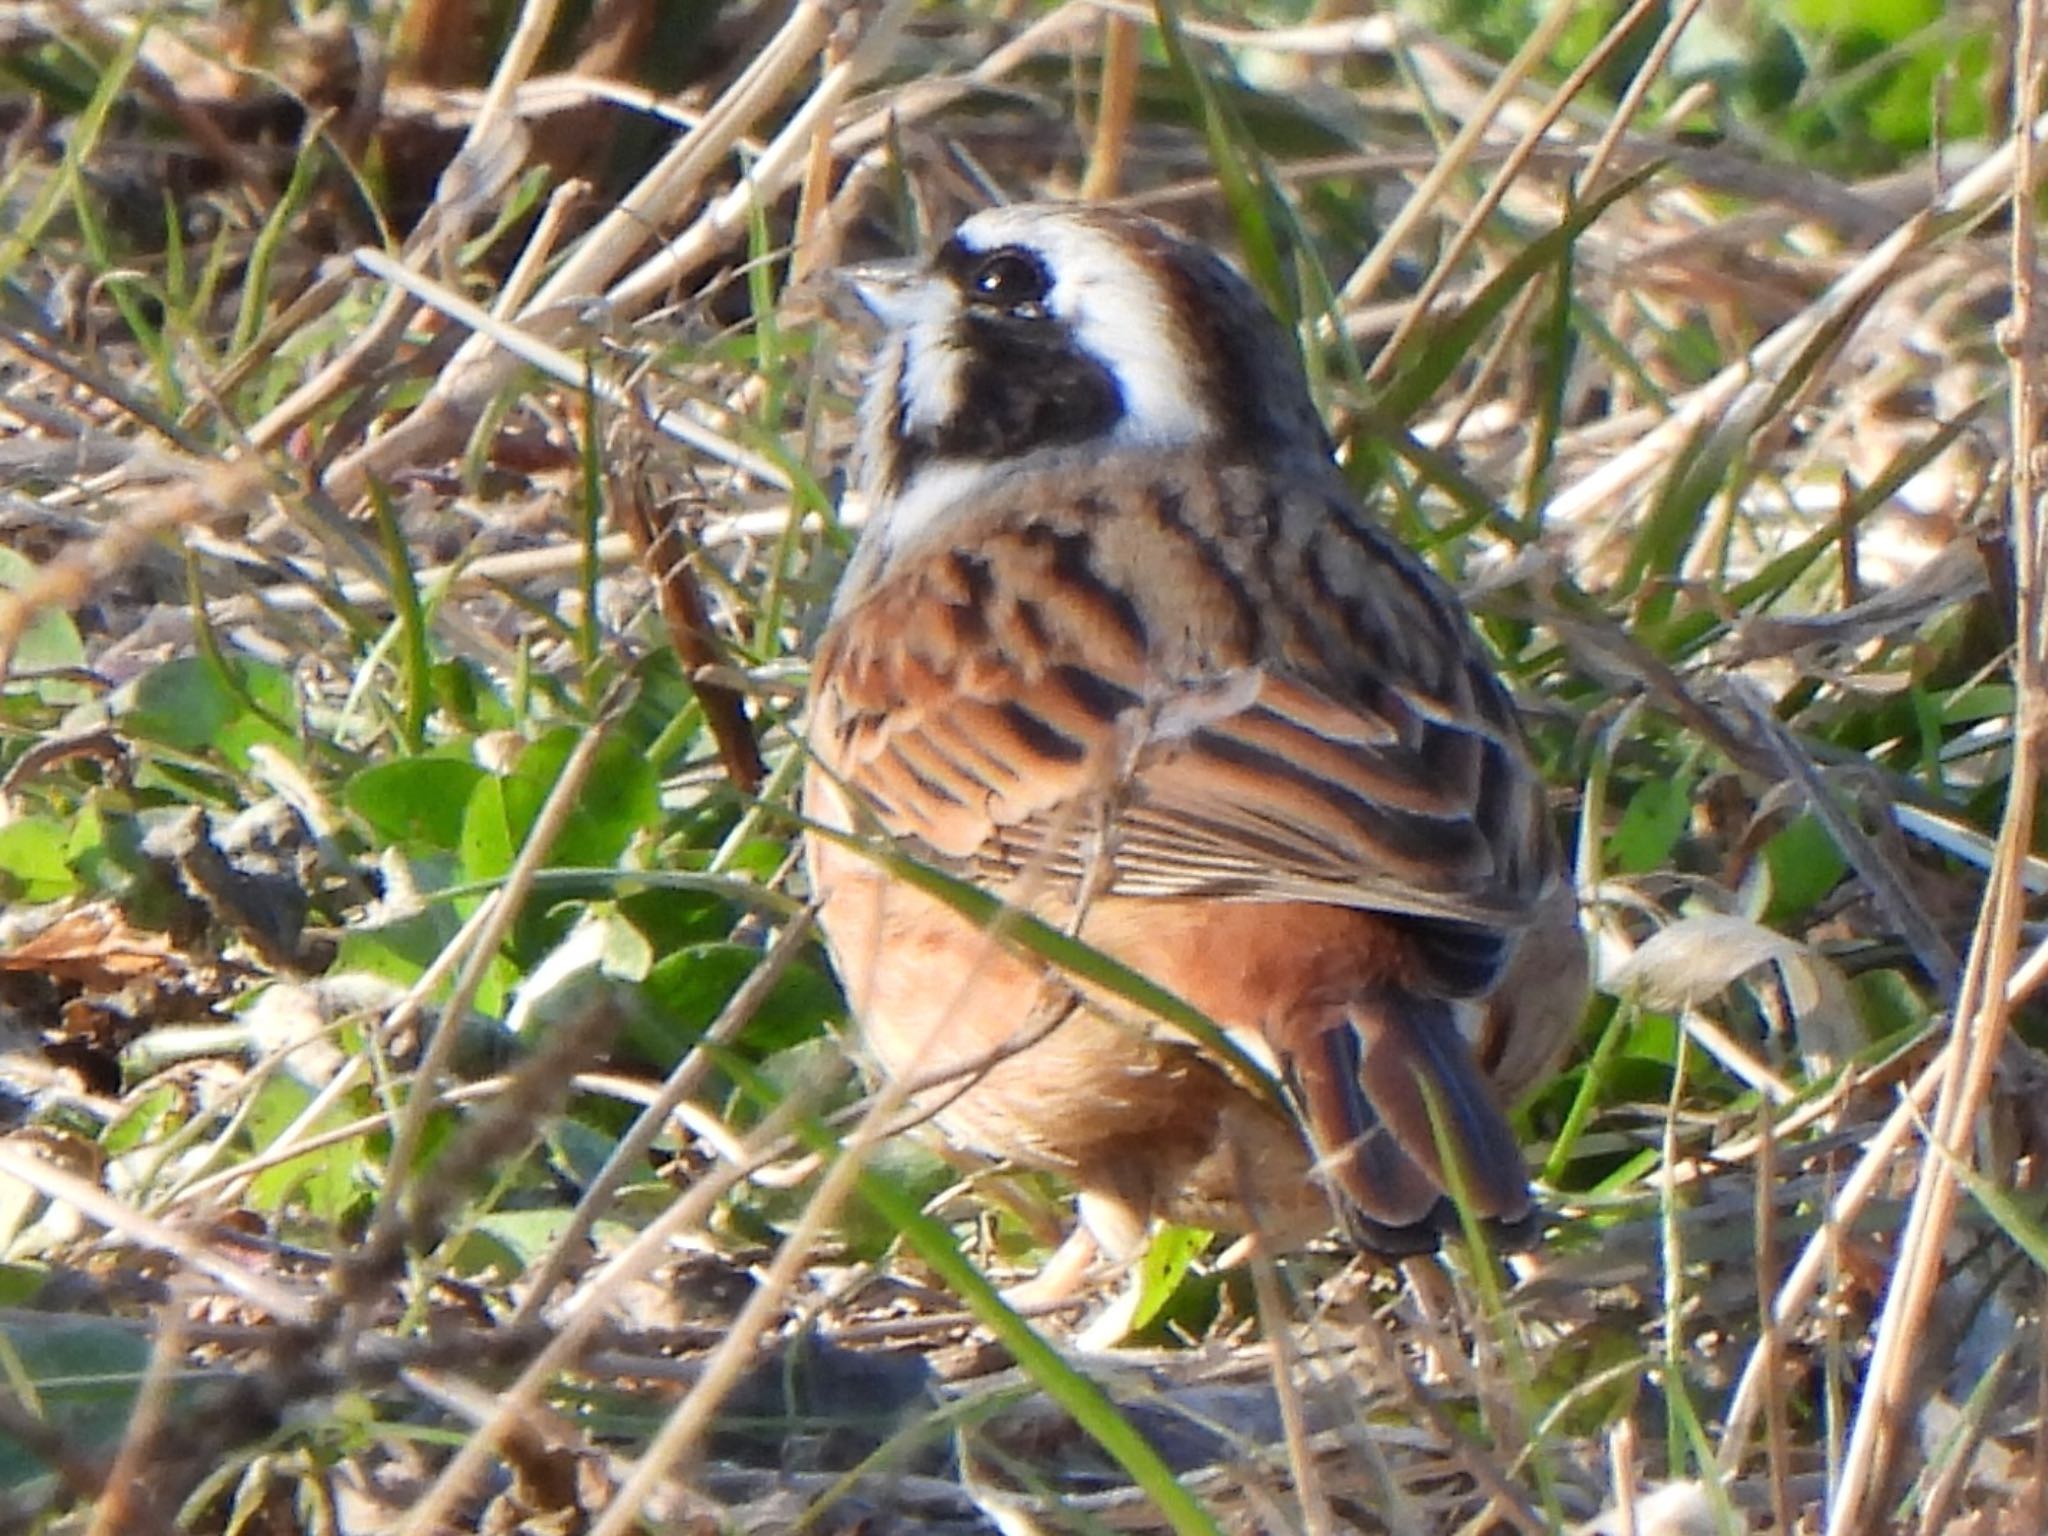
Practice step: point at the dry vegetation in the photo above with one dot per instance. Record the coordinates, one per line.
(420, 1106)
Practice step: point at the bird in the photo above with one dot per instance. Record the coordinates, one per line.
(1119, 646)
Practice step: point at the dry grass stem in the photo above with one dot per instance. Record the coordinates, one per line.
(673, 1449)
(132, 1226)
(525, 1397)
(1753, 377)
(208, 493)
(1275, 1320)
(564, 367)
(1532, 137)
(480, 369)
(1370, 275)
(1115, 103)
(126, 1505)
(1630, 106)
(1981, 1011)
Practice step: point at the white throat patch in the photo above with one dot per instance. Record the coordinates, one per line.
(899, 522)
(932, 358)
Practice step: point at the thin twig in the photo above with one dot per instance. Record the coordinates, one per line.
(1371, 274)
(131, 1225)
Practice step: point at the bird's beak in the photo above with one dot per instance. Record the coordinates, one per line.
(891, 291)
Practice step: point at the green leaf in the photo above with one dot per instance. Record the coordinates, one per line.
(673, 917)
(1651, 826)
(519, 1236)
(33, 866)
(190, 705)
(487, 843)
(50, 642)
(1805, 865)
(594, 968)
(324, 1182)
(2022, 1222)
(1886, 20)
(400, 951)
(78, 1376)
(146, 1117)
(1889, 1003)
(87, 837)
(620, 797)
(422, 800)
(578, 1152)
(912, 1165)
(414, 665)
(181, 704)
(464, 693)
(688, 988)
(1168, 1257)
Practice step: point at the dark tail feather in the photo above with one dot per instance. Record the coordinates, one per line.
(1367, 1074)
(1356, 1150)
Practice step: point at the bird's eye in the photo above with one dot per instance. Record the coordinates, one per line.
(1010, 279)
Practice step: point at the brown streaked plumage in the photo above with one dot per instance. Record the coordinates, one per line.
(1120, 645)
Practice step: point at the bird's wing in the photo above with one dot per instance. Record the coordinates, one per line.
(1090, 680)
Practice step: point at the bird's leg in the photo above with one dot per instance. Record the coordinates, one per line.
(1436, 1307)
(1110, 1228)
(1061, 1277)
(1112, 1325)
(1121, 1230)
(1240, 1252)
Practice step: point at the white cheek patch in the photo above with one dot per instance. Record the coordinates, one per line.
(1159, 407)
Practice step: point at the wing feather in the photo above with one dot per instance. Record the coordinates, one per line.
(1085, 655)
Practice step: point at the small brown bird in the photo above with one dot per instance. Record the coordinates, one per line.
(1119, 645)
